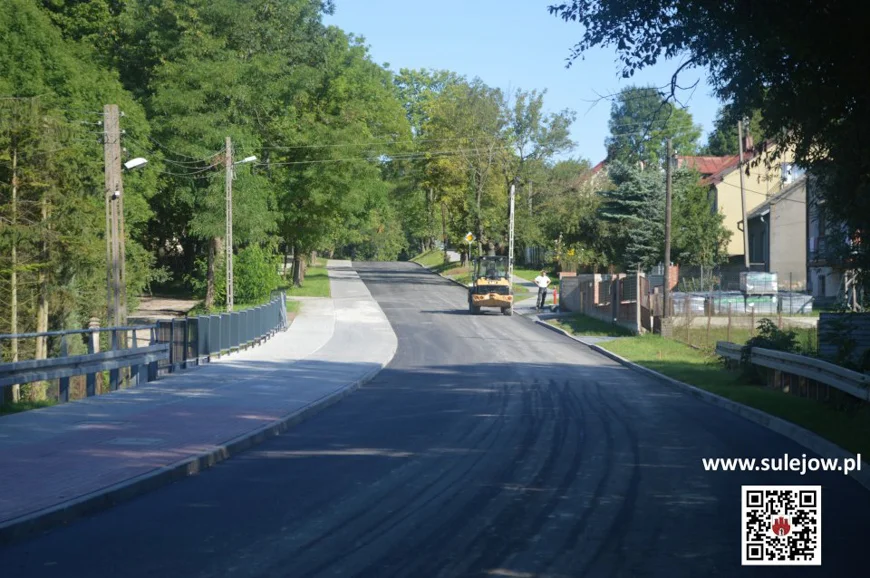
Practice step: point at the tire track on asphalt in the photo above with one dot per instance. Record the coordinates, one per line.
(363, 505)
(411, 506)
(572, 415)
(569, 544)
(432, 563)
(621, 522)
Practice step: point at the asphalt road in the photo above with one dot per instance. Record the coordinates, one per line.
(489, 447)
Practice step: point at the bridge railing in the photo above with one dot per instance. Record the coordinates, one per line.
(139, 354)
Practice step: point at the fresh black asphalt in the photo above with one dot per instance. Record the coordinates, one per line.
(488, 447)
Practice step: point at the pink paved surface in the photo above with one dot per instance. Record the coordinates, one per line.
(61, 453)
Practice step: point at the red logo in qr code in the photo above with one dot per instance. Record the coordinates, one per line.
(781, 525)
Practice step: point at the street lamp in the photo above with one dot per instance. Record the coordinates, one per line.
(135, 163)
(116, 238)
(249, 159)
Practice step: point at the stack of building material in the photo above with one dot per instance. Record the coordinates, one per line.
(758, 283)
(689, 303)
(761, 304)
(795, 303)
(720, 301)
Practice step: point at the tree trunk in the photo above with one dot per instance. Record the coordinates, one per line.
(298, 274)
(13, 393)
(37, 390)
(213, 251)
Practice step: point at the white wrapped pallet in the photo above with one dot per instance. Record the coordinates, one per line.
(758, 283)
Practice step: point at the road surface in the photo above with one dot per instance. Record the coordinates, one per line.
(489, 447)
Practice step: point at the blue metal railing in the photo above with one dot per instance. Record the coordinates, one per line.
(170, 345)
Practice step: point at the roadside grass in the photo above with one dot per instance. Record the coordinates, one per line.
(293, 306)
(848, 428)
(807, 337)
(316, 284)
(17, 407)
(530, 274)
(580, 324)
(430, 258)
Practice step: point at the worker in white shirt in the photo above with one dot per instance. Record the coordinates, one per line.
(542, 281)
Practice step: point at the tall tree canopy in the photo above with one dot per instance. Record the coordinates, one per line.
(641, 121)
(722, 141)
(764, 56)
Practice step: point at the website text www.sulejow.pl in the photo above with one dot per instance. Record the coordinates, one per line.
(800, 465)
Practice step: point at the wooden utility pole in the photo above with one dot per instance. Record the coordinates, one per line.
(116, 293)
(743, 196)
(668, 194)
(444, 229)
(229, 239)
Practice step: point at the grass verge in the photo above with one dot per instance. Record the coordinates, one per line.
(429, 258)
(807, 337)
(316, 284)
(848, 428)
(530, 274)
(589, 326)
(10, 408)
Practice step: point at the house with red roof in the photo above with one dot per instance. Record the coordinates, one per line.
(766, 177)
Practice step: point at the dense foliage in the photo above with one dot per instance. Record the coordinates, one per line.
(352, 159)
(802, 65)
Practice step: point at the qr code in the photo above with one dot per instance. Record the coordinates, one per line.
(782, 525)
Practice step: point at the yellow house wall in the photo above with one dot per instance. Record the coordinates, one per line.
(761, 184)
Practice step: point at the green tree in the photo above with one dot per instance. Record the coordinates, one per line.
(722, 141)
(470, 116)
(641, 121)
(759, 56)
(51, 177)
(635, 206)
(535, 138)
(699, 235)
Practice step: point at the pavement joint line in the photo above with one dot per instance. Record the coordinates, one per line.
(795, 433)
(103, 499)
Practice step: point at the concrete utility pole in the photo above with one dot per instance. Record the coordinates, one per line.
(668, 194)
(511, 242)
(116, 293)
(743, 196)
(229, 239)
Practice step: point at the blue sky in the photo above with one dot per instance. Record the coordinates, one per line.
(510, 44)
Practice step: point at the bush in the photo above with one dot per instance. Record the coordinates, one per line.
(255, 274)
(769, 337)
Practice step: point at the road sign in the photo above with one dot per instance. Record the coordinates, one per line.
(469, 238)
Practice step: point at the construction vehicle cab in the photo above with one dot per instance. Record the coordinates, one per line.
(490, 285)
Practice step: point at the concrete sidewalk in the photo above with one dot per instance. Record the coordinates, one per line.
(65, 461)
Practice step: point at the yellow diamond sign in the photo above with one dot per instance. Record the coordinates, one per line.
(469, 238)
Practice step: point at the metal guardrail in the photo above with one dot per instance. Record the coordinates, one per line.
(171, 345)
(728, 350)
(851, 382)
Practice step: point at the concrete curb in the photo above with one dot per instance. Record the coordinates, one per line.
(106, 498)
(795, 433)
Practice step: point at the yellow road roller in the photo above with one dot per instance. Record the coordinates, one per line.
(490, 285)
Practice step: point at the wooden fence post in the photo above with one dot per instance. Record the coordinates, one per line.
(728, 338)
